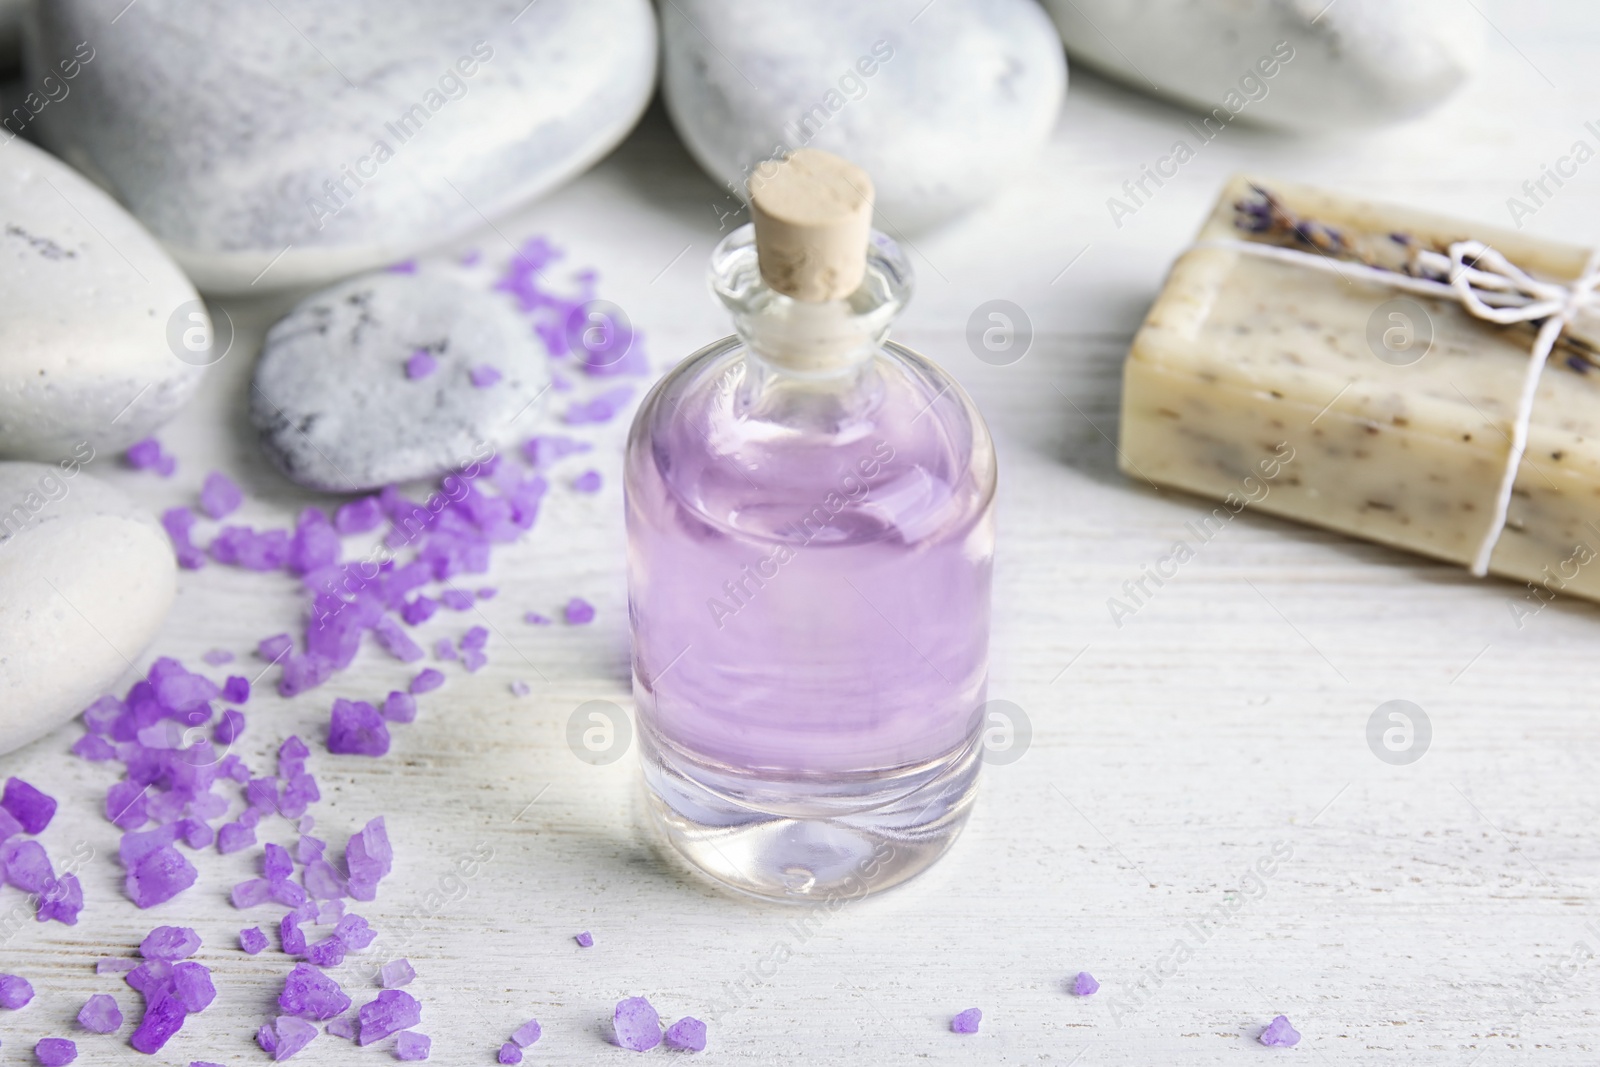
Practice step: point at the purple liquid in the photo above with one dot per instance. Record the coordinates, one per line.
(809, 573)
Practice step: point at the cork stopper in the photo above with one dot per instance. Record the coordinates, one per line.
(813, 216)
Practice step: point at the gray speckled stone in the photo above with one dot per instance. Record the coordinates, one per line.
(1356, 62)
(959, 96)
(86, 579)
(227, 128)
(87, 297)
(334, 405)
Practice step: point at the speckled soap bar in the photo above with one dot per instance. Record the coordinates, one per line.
(1261, 381)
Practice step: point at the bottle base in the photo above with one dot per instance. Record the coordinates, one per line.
(796, 843)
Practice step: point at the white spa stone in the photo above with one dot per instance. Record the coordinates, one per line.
(292, 143)
(336, 409)
(960, 95)
(1355, 63)
(86, 579)
(88, 300)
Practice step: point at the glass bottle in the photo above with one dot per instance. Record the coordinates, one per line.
(810, 544)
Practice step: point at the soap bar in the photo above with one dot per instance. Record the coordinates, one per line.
(1348, 404)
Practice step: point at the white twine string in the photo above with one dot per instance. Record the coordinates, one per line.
(1493, 289)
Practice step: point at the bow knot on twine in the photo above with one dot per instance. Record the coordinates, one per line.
(1490, 287)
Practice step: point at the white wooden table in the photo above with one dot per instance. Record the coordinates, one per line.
(1443, 913)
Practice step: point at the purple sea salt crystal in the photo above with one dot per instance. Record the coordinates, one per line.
(250, 893)
(1279, 1034)
(418, 610)
(217, 657)
(585, 940)
(527, 1033)
(163, 1017)
(587, 482)
(484, 376)
(323, 881)
(100, 1014)
(54, 1051)
(285, 1036)
(602, 408)
(158, 877)
(308, 992)
(1084, 985)
(393, 1010)
(533, 618)
(309, 848)
(509, 1054)
(488, 592)
(329, 912)
(396, 641)
(368, 857)
(91, 747)
(966, 1022)
(275, 647)
(329, 952)
(169, 943)
(636, 1024)
(241, 546)
(519, 688)
(290, 936)
(472, 660)
(114, 965)
(234, 836)
(292, 756)
(456, 599)
(475, 638)
(236, 690)
(220, 495)
(9, 826)
(396, 973)
(444, 650)
(276, 863)
(252, 940)
(15, 992)
(420, 365)
(411, 1045)
(61, 900)
(147, 455)
(399, 707)
(358, 516)
(126, 806)
(344, 1027)
(426, 681)
(196, 833)
(355, 932)
(31, 808)
(229, 727)
(249, 818)
(192, 985)
(303, 672)
(687, 1034)
(26, 865)
(578, 612)
(356, 729)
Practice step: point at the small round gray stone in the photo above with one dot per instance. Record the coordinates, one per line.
(86, 579)
(335, 407)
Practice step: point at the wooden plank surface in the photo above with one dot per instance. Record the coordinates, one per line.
(1442, 913)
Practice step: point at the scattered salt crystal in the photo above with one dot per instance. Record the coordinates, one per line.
(688, 1034)
(544, 450)
(306, 823)
(286, 1036)
(396, 641)
(579, 611)
(290, 937)
(601, 408)
(159, 877)
(274, 647)
(91, 747)
(100, 1014)
(391, 1011)
(587, 482)
(61, 900)
(637, 1025)
(309, 992)
(15, 992)
(220, 496)
(252, 940)
(966, 1022)
(217, 657)
(585, 939)
(356, 729)
(178, 522)
(472, 660)
(520, 688)
(276, 863)
(487, 592)
(169, 943)
(147, 455)
(329, 952)
(250, 893)
(426, 681)
(114, 965)
(444, 649)
(163, 1017)
(1279, 1034)
(32, 809)
(1084, 985)
(420, 365)
(25, 865)
(509, 1054)
(368, 857)
(527, 1033)
(484, 376)
(396, 973)
(399, 707)
(191, 983)
(533, 618)
(235, 836)
(344, 1027)
(456, 599)
(476, 637)
(229, 727)
(354, 931)
(412, 1046)
(55, 1051)
(329, 912)
(418, 610)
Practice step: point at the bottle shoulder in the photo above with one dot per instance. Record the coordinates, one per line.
(894, 450)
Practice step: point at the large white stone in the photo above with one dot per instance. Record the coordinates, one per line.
(960, 93)
(229, 128)
(85, 581)
(92, 311)
(1355, 62)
